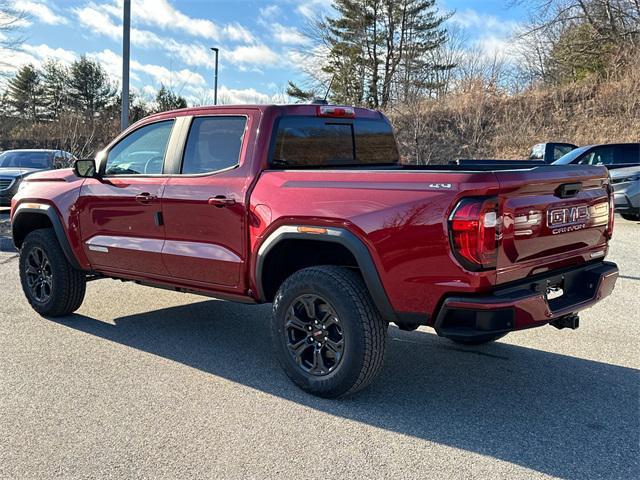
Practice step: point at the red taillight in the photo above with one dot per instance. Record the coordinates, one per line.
(333, 111)
(475, 230)
(612, 212)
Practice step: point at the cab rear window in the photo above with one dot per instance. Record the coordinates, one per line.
(331, 142)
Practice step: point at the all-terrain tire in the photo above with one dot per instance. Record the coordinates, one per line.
(362, 329)
(67, 285)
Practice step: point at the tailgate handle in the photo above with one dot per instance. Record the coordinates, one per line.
(568, 190)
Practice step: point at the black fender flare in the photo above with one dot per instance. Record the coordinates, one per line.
(48, 211)
(334, 235)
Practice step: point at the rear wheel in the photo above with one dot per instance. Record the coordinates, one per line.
(52, 286)
(479, 340)
(327, 334)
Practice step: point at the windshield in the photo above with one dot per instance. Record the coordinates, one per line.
(39, 160)
(571, 156)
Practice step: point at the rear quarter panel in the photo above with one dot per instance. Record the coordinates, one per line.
(401, 217)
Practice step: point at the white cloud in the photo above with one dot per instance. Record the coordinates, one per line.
(193, 54)
(98, 21)
(237, 33)
(12, 60)
(170, 78)
(288, 35)
(470, 18)
(44, 52)
(226, 95)
(254, 55)
(314, 8)
(270, 12)
(112, 63)
(40, 11)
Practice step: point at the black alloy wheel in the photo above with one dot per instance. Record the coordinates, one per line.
(314, 335)
(39, 275)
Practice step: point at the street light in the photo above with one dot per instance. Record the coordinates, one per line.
(215, 79)
(126, 29)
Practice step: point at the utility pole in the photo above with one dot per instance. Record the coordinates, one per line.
(215, 78)
(126, 29)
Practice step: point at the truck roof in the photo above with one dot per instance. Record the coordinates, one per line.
(281, 109)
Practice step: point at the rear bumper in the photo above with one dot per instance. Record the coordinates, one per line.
(524, 304)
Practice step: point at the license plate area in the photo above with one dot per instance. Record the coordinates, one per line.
(554, 289)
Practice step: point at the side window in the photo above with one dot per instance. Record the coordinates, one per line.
(561, 150)
(598, 156)
(141, 152)
(213, 144)
(626, 154)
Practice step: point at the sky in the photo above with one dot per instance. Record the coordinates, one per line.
(262, 42)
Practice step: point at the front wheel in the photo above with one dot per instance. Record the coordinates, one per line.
(326, 332)
(52, 286)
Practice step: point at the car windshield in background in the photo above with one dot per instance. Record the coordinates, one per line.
(571, 156)
(329, 142)
(39, 160)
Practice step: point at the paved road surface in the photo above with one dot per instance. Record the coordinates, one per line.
(148, 383)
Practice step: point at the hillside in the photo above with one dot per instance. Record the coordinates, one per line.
(480, 122)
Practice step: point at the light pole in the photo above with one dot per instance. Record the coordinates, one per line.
(126, 28)
(215, 78)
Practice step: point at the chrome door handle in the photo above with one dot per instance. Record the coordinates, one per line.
(221, 201)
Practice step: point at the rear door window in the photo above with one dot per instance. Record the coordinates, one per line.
(326, 142)
(626, 154)
(213, 144)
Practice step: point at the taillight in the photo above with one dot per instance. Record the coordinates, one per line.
(612, 212)
(474, 228)
(336, 112)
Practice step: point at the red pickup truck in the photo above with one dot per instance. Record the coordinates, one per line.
(309, 207)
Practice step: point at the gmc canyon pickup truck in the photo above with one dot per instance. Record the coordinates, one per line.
(310, 208)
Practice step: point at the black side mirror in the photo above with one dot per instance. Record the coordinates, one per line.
(85, 168)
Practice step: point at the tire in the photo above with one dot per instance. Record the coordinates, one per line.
(62, 287)
(632, 217)
(334, 302)
(480, 340)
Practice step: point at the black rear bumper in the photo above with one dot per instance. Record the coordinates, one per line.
(525, 304)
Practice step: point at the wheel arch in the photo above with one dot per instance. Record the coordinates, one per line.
(315, 242)
(28, 218)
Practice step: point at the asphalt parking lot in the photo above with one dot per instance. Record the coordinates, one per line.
(155, 384)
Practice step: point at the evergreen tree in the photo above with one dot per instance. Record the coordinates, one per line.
(55, 88)
(90, 87)
(378, 49)
(167, 100)
(298, 93)
(25, 91)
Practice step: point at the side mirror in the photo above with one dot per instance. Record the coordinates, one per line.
(85, 168)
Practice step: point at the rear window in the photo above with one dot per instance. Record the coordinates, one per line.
(329, 142)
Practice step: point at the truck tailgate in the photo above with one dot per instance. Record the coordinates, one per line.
(553, 217)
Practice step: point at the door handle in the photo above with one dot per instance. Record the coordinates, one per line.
(221, 201)
(145, 198)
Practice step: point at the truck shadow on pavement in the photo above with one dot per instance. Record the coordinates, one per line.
(559, 415)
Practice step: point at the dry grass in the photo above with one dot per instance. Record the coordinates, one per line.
(482, 123)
